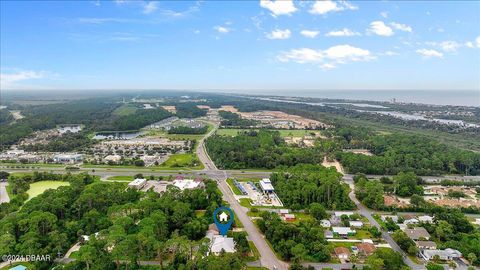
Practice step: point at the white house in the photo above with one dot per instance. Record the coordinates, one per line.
(447, 254)
(425, 219)
(411, 221)
(356, 224)
(477, 221)
(137, 183)
(220, 243)
(112, 158)
(393, 217)
(343, 231)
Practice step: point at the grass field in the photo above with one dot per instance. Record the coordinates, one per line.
(283, 132)
(38, 188)
(183, 160)
(125, 109)
(121, 178)
(234, 188)
(246, 202)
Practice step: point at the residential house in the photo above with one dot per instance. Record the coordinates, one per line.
(343, 231)
(446, 255)
(417, 233)
(356, 224)
(393, 217)
(289, 217)
(425, 219)
(221, 244)
(366, 249)
(342, 253)
(426, 244)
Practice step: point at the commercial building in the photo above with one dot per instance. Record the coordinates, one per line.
(68, 158)
(183, 184)
(137, 183)
(266, 185)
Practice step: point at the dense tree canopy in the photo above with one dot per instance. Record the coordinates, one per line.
(396, 153)
(301, 185)
(258, 149)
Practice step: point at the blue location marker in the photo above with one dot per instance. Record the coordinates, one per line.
(223, 217)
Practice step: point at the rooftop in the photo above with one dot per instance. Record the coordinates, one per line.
(417, 233)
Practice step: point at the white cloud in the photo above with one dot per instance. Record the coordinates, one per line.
(450, 46)
(384, 14)
(309, 33)
(469, 44)
(150, 7)
(429, 53)
(221, 29)
(10, 80)
(379, 28)
(279, 7)
(321, 7)
(345, 32)
(477, 41)
(326, 59)
(279, 34)
(401, 27)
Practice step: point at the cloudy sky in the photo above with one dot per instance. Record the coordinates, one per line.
(240, 45)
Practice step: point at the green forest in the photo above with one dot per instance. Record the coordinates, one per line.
(122, 226)
(396, 153)
(258, 149)
(301, 185)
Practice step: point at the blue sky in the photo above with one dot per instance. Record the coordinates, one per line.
(240, 45)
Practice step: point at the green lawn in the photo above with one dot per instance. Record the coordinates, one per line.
(11, 165)
(283, 132)
(234, 188)
(363, 234)
(299, 217)
(38, 188)
(183, 160)
(246, 202)
(200, 213)
(125, 109)
(121, 178)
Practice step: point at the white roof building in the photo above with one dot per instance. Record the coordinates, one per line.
(447, 254)
(221, 243)
(343, 230)
(183, 184)
(266, 185)
(477, 221)
(410, 221)
(393, 217)
(356, 224)
(425, 219)
(137, 183)
(113, 158)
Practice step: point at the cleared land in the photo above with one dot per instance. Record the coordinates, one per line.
(283, 132)
(125, 109)
(38, 188)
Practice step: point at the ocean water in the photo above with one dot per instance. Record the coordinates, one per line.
(435, 97)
